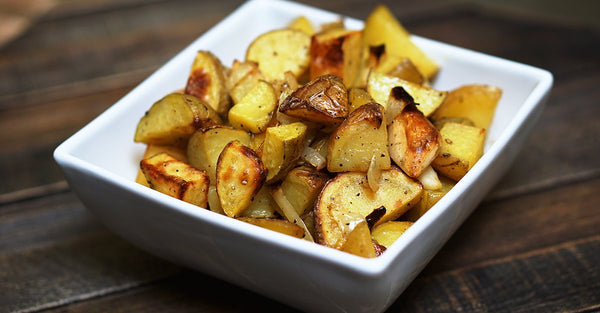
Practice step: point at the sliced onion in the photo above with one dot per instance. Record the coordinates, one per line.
(289, 212)
(314, 158)
(374, 174)
(430, 180)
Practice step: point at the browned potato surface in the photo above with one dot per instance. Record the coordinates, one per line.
(336, 51)
(207, 81)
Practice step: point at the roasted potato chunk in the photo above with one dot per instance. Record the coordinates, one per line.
(322, 100)
(303, 24)
(206, 144)
(255, 111)
(413, 141)
(301, 187)
(152, 150)
(474, 102)
(337, 52)
(175, 178)
(242, 78)
(358, 97)
(207, 81)
(279, 51)
(173, 119)
(262, 205)
(429, 198)
(382, 27)
(280, 226)
(462, 146)
(282, 149)
(348, 195)
(360, 137)
(385, 234)
(379, 86)
(358, 241)
(240, 175)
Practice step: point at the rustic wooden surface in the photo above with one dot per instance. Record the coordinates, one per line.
(532, 246)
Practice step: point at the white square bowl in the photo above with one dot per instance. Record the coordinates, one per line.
(100, 163)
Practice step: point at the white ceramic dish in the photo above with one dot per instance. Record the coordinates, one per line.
(100, 162)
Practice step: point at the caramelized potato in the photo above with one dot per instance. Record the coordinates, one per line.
(282, 149)
(255, 111)
(152, 150)
(175, 178)
(280, 226)
(206, 144)
(413, 141)
(379, 86)
(173, 119)
(462, 146)
(358, 241)
(279, 51)
(348, 195)
(322, 100)
(361, 136)
(385, 234)
(381, 27)
(301, 187)
(474, 102)
(337, 52)
(207, 81)
(240, 175)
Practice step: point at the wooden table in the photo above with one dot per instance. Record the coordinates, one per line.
(532, 246)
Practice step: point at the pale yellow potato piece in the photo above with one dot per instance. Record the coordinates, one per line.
(429, 198)
(301, 187)
(207, 81)
(387, 233)
(359, 242)
(255, 111)
(279, 51)
(337, 52)
(242, 77)
(262, 205)
(473, 102)
(303, 24)
(349, 197)
(379, 86)
(462, 146)
(175, 178)
(358, 97)
(280, 226)
(205, 146)
(282, 148)
(381, 27)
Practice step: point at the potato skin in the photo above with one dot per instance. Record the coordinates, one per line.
(337, 52)
(207, 81)
(322, 100)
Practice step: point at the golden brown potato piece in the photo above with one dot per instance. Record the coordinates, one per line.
(462, 146)
(413, 141)
(385, 234)
(206, 144)
(337, 52)
(301, 187)
(358, 241)
(378, 59)
(255, 111)
(277, 225)
(361, 136)
(474, 102)
(173, 119)
(262, 205)
(242, 78)
(152, 150)
(279, 51)
(430, 197)
(322, 100)
(303, 24)
(240, 175)
(381, 27)
(282, 148)
(348, 195)
(207, 81)
(175, 178)
(288, 211)
(358, 97)
(379, 86)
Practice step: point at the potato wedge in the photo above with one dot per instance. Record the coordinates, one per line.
(322, 100)
(282, 148)
(385, 234)
(336, 51)
(280, 226)
(413, 141)
(240, 175)
(152, 150)
(379, 86)
(207, 81)
(301, 187)
(279, 51)
(462, 146)
(255, 111)
(303, 24)
(173, 119)
(348, 194)
(206, 144)
(382, 27)
(358, 97)
(362, 135)
(429, 198)
(262, 205)
(242, 78)
(474, 102)
(175, 178)
(359, 241)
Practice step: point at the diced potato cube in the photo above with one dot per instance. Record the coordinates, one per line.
(207, 81)
(301, 187)
(387, 233)
(282, 149)
(255, 111)
(152, 150)
(474, 102)
(462, 146)
(336, 52)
